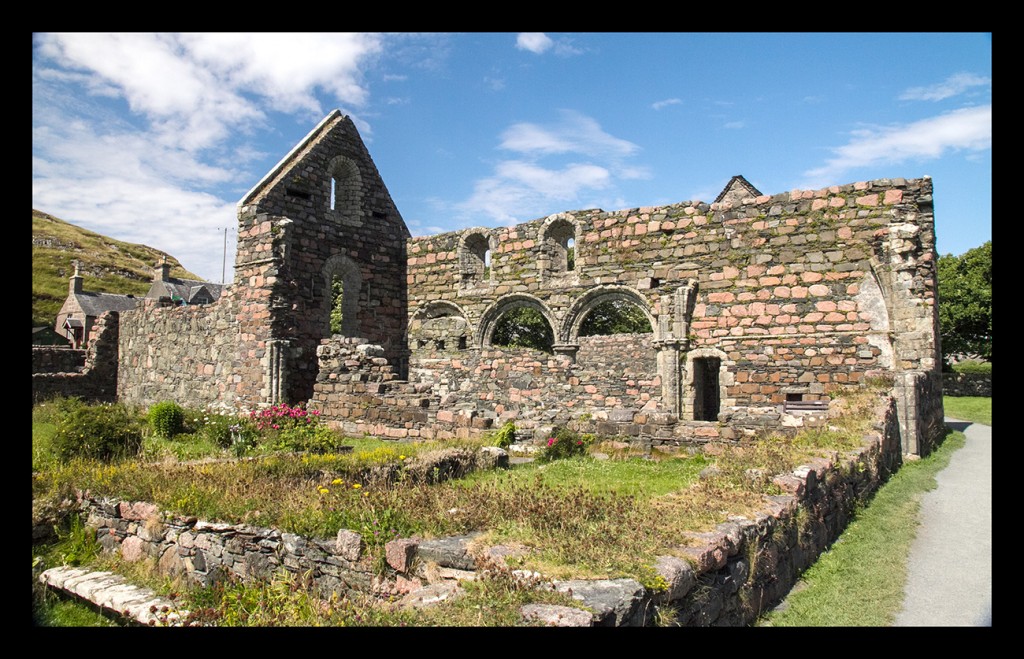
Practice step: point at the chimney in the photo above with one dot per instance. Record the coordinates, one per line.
(76, 281)
(162, 271)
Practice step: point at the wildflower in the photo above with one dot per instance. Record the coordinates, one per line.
(323, 490)
(551, 440)
(356, 486)
(337, 481)
(401, 457)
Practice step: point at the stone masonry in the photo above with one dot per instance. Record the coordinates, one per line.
(754, 302)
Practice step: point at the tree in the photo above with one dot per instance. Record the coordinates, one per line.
(523, 327)
(615, 317)
(965, 303)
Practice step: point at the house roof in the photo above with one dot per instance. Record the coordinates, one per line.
(187, 289)
(93, 304)
(738, 187)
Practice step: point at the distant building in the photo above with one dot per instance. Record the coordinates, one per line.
(81, 308)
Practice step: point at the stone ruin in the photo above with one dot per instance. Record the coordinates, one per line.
(759, 307)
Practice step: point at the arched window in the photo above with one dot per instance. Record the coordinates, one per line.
(560, 245)
(523, 327)
(345, 186)
(342, 281)
(615, 316)
(475, 259)
(337, 304)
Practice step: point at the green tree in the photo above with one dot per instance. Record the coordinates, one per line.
(965, 302)
(615, 317)
(523, 327)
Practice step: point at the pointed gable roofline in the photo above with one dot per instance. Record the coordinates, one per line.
(737, 187)
(325, 125)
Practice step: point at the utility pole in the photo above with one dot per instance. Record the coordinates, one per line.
(224, 263)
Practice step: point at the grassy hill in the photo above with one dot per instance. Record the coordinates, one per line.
(106, 265)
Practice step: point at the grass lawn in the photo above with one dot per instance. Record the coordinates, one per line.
(969, 408)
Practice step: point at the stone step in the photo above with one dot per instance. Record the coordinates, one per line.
(112, 593)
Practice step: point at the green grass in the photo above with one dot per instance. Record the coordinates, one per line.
(860, 581)
(578, 517)
(969, 408)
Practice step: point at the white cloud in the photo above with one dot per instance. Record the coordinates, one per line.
(149, 175)
(952, 86)
(519, 189)
(735, 124)
(535, 42)
(967, 129)
(667, 102)
(575, 133)
(194, 88)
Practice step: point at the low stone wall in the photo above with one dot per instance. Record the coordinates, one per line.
(727, 577)
(57, 359)
(967, 384)
(95, 379)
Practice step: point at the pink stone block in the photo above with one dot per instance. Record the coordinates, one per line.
(893, 197)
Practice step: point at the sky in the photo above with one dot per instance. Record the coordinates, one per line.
(154, 138)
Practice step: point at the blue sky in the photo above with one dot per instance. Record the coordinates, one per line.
(153, 138)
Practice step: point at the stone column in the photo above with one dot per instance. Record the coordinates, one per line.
(670, 359)
(276, 369)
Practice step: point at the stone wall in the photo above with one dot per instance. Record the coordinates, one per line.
(967, 384)
(96, 379)
(726, 577)
(57, 359)
(188, 354)
(322, 213)
(758, 300)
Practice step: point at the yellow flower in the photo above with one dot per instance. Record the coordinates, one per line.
(337, 481)
(401, 457)
(324, 490)
(356, 486)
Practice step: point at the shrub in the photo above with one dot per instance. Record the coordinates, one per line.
(282, 416)
(565, 443)
(505, 435)
(217, 427)
(100, 432)
(312, 438)
(167, 419)
(973, 367)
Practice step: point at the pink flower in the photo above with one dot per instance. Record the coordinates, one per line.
(551, 440)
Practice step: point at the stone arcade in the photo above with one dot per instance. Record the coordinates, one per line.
(753, 301)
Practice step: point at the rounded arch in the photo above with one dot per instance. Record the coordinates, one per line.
(502, 306)
(439, 325)
(569, 330)
(476, 246)
(560, 241)
(437, 309)
(344, 268)
(345, 185)
(875, 299)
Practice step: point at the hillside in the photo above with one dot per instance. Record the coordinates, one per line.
(107, 265)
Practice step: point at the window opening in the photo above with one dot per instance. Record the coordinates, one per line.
(334, 189)
(570, 254)
(523, 327)
(705, 388)
(337, 301)
(615, 317)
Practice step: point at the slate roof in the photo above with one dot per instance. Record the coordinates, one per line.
(93, 304)
(186, 289)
